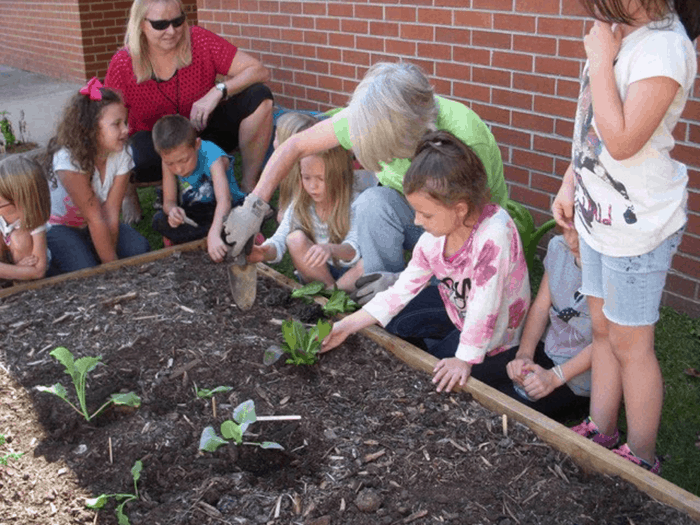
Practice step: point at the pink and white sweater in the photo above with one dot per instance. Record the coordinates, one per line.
(485, 285)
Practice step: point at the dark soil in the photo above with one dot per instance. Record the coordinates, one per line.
(375, 444)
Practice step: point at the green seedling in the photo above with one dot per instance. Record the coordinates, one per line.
(232, 431)
(339, 303)
(303, 346)
(307, 292)
(205, 393)
(4, 459)
(6, 130)
(78, 369)
(529, 235)
(100, 501)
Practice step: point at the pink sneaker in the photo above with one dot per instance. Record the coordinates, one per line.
(589, 430)
(626, 453)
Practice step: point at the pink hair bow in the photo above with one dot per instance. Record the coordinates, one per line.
(92, 89)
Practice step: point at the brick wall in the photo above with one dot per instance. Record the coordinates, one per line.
(33, 28)
(515, 62)
(66, 39)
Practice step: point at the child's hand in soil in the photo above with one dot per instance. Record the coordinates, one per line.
(176, 216)
(348, 326)
(449, 372)
(317, 255)
(541, 382)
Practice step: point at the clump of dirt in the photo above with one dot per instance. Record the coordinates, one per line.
(375, 443)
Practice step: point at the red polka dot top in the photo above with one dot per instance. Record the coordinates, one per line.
(150, 100)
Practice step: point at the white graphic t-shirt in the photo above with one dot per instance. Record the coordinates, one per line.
(629, 207)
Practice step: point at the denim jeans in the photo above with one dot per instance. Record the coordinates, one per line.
(72, 248)
(385, 229)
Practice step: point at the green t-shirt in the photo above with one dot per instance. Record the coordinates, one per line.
(464, 124)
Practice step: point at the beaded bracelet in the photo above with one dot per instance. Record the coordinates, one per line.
(558, 372)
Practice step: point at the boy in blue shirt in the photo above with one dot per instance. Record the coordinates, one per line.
(199, 188)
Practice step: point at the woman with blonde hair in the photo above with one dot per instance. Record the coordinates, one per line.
(390, 110)
(167, 67)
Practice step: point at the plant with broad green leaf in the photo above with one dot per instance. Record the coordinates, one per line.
(232, 431)
(6, 130)
(78, 370)
(5, 458)
(100, 501)
(301, 345)
(206, 393)
(339, 303)
(529, 235)
(308, 291)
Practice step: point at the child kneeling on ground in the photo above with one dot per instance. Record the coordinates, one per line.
(473, 249)
(199, 187)
(319, 226)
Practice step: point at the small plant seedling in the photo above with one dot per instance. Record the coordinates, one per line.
(78, 369)
(339, 303)
(303, 346)
(6, 130)
(243, 416)
(100, 501)
(5, 458)
(205, 393)
(308, 291)
(338, 300)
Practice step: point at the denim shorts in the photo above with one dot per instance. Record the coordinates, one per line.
(630, 287)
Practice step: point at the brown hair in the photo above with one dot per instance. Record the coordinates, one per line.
(339, 182)
(172, 131)
(137, 45)
(78, 129)
(448, 170)
(23, 183)
(287, 125)
(617, 12)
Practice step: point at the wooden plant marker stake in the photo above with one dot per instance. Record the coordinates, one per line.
(213, 407)
(111, 459)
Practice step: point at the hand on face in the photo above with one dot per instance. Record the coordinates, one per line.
(602, 44)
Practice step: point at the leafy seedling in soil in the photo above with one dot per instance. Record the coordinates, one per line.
(243, 416)
(339, 303)
(5, 458)
(205, 393)
(78, 370)
(338, 300)
(303, 346)
(100, 501)
(307, 292)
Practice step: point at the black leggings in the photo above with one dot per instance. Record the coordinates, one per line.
(222, 130)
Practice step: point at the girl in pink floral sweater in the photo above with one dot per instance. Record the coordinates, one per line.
(472, 249)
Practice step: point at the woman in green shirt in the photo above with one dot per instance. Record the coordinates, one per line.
(390, 110)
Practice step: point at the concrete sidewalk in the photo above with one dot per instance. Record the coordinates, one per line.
(41, 98)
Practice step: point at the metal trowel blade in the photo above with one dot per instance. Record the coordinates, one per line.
(243, 281)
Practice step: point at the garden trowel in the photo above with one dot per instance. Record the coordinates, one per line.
(243, 279)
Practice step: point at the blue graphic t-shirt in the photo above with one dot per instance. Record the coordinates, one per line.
(198, 186)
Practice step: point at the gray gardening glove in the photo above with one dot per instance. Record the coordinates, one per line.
(243, 222)
(370, 285)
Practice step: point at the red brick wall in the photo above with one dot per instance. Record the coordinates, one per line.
(67, 39)
(515, 62)
(42, 36)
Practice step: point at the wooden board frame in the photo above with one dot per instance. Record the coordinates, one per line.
(584, 452)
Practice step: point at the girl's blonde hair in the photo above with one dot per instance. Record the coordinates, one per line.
(78, 130)
(287, 125)
(390, 110)
(449, 171)
(339, 182)
(137, 45)
(23, 183)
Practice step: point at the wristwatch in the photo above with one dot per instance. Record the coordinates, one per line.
(222, 87)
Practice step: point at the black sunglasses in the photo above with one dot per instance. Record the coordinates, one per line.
(162, 25)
